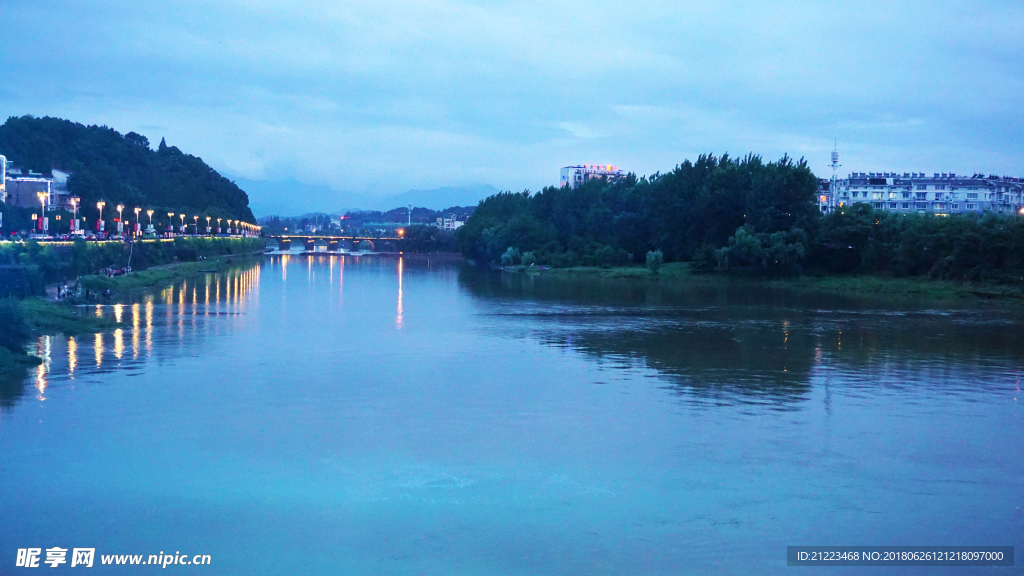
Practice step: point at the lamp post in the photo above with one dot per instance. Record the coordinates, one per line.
(207, 225)
(120, 219)
(170, 224)
(137, 227)
(99, 223)
(74, 209)
(195, 222)
(218, 225)
(182, 223)
(150, 214)
(42, 217)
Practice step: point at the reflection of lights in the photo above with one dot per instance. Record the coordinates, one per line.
(72, 356)
(149, 326)
(398, 318)
(284, 267)
(43, 351)
(97, 345)
(99, 311)
(118, 312)
(135, 330)
(118, 343)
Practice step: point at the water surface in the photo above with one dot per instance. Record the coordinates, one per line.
(385, 415)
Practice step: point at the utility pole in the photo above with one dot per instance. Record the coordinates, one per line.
(833, 188)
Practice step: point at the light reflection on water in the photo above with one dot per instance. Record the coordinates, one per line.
(446, 421)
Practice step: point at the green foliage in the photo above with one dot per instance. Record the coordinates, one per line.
(120, 169)
(529, 259)
(15, 333)
(510, 257)
(778, 252)
(602, 224)
(972, 247)
(421, 238)
(655, 259)
(47, 263)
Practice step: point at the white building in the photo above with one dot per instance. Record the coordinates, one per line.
(573, 176)
(3, 179)
(449, 222)
(940, 193)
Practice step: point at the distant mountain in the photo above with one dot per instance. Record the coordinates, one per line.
(439, 198)
(290, 197)
(121, 169)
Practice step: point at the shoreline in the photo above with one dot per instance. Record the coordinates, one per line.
(865, 287)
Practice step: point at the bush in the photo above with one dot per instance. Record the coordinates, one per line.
(15, 333)
(529, 259)
(510, 257)
(655, 259)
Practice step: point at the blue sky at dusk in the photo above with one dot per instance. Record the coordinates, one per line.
(370, 97)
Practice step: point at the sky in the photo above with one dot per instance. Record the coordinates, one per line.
(377, 97)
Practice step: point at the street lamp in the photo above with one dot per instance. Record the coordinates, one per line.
(150, 214)
(170, 223)
(120, 219)
(74, 208)
(137, 227)
(42, 217)
(182, 223)
(207, 225)
(218, 225)
(99, 224)
(195, 222)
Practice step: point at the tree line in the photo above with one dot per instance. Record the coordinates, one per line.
(736, 214)
(121, 169)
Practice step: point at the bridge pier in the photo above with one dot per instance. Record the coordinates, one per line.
(310, 244)
(284, 244)
(332, 245)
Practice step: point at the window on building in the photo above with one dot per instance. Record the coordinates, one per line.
(922, 186)
(972, 206)
(938, 195)
(892, 205)
(973, 196)
(879, 205)
(954, 206)
(905, 205)
(922, 196)
(906, 194)
(940, 186)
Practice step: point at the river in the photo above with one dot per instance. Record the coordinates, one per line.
(386, 415)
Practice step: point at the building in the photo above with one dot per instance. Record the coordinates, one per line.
(573, 176)
(449, 222)
(940, 193)
(3, 179)
(23, 191)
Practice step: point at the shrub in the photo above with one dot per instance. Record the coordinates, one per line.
(655, 259)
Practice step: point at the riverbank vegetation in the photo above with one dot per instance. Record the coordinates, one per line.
(741, 217)
(25, 319)
(45, 263)
(131, 285)
(121, 169)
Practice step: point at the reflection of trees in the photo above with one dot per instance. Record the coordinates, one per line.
(760, 342)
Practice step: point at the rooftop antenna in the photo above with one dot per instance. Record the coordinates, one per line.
(835, 166)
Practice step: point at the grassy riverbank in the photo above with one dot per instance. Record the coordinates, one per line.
(136, 283)
(23, 320)
(859, 287)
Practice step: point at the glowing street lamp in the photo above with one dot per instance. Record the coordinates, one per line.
(120, 219)
(218, 225)
(182, 216)
(99, 223)
(42, 203)
(74, 208)
(170, 223)
(195, 222)
(150, 214)
(137, 227)
(207, 225)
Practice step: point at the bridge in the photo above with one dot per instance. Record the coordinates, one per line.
(336, 243)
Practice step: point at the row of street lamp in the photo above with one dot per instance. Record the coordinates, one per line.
(236, 227)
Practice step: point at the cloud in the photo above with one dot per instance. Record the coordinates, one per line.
(379, 97)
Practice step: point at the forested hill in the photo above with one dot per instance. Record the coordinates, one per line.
(696, 208)
(122, 169)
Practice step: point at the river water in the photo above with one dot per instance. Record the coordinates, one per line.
(386, 415)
